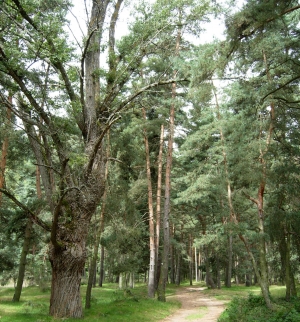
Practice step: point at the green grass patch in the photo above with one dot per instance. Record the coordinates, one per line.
(250, 306)
(108, 304)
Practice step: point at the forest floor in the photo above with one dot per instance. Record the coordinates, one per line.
(196, 306)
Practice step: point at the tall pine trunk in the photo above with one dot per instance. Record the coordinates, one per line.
(232, 215)
(158, 205)
(161, 290)
(151, 280)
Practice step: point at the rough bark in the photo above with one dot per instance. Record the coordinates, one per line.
(67, 265)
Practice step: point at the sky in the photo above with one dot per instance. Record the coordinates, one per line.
(214, 29)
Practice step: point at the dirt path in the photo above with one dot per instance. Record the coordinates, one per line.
(196, 306)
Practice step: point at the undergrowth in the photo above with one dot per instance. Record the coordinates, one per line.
(253, 309)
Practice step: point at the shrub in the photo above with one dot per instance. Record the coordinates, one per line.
(253, 309)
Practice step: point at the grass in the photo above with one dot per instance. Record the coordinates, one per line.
(108, 304)
(227, 294)
(247, 305)
(112, 305)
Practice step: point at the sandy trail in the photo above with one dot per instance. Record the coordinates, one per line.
(196, 306)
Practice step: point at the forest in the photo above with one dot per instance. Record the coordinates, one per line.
(152, 141)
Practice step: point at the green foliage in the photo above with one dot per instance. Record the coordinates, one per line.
(253, 309)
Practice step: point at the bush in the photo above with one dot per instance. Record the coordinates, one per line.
(253, 309)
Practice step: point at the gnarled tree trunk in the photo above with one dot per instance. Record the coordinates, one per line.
(67, 266)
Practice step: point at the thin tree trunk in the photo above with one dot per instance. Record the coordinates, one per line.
(178, 269)
(121, 281)
(158, 205)
(229, 263)
(101, 274)
(196, 265)
(191, 259)
(262, 277)
(151, 281)
(22, 264)
(26, 244)
(288, 268)
(172, 257)
(131, 280)
(218, 273)
(4, 151)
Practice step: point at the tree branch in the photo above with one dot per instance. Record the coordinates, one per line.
(250, 198)
(28, 212)
(98, 143)
(111, 41)
(145, 88)
(289, 10)
(280, 87)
